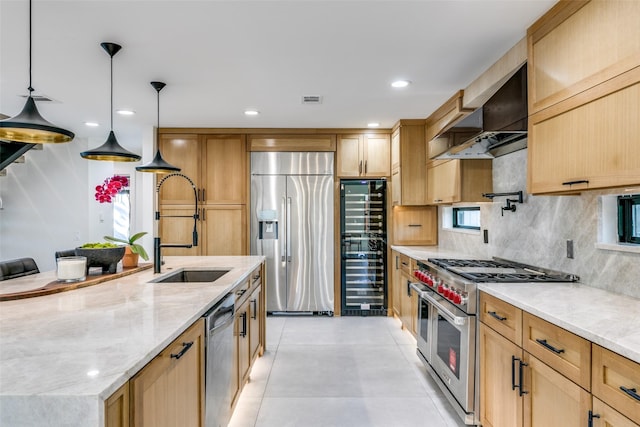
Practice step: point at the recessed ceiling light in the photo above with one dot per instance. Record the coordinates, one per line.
(400, 83)
(125, 112)
(251, 112)
(92, 124)
(373, 124)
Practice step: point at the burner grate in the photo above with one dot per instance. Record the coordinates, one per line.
(454, 263)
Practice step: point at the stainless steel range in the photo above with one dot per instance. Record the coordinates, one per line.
(447, 320)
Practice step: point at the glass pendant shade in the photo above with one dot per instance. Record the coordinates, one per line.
(110, 150)
(29, 126)
(158, 164)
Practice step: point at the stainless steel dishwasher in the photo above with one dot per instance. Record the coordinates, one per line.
(219, 362)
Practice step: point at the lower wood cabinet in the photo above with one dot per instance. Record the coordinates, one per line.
(555, 379)
(395, 282)
(169, 390)
(116, 410)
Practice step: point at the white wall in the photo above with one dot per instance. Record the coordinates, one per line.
(537, 232)
(49, 204)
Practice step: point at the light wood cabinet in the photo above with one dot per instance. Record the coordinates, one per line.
(502, 317)
(408, 163)
(169, 390)
(579, 44)
(363, 156)
(552, 400)
(286, 142)
(243, 357)
(217, 164)
(616, 381)
(446, 116)
(116, 409)
(396, 284)
(407, 300)
(604, 415)
(584, 97)
(500, 403)
(414, 225)
(453, 181)
(255, 310)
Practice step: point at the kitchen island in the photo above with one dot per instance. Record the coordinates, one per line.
(63, 355)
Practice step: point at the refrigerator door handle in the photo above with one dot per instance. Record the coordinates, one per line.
(285, 232)
(288, 229)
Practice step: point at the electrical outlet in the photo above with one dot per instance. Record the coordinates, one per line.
(570, 249)
(485, 235)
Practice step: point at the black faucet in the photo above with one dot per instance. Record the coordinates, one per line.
(511, 203)
(157, 245)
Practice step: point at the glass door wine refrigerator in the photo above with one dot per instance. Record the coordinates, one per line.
(363, 232)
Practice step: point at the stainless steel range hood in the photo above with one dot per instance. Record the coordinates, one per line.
(495, 129)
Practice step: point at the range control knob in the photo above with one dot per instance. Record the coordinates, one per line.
(457, 298)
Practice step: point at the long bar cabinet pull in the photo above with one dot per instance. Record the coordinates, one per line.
(204, 217)
(591, 417)
(520, 390)
(548, 346)
(198, 195)
(185, 347)
(360, 167)
(496, 316)
(513, 372)
(204, 198)
(365, 166)
(631, 392)
(254, 301)
(415, 225)
(244, 325)
(580, 181)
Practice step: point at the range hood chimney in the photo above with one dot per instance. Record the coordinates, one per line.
(498, 127)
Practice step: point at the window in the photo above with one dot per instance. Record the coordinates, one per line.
(629, 219)
(466, 218)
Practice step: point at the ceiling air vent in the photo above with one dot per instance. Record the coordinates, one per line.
(312, 99)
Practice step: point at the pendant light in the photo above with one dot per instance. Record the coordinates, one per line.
(158, 165)
(29, 126)
(111, 150)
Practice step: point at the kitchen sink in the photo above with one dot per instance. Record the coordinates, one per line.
(186, 275)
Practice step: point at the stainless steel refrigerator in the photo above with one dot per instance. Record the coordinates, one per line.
(292, 226)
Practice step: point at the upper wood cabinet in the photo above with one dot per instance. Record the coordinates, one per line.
(579, 44)
(415, 225)
(453, 181)
(408, 163)
(217, 164)
(286, 142)
(584, 97)
(364, 155)
(446, 116)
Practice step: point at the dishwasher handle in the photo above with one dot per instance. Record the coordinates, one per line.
(221, 314)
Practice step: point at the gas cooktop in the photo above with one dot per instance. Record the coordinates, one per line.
(499, 270)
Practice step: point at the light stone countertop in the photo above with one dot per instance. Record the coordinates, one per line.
(608, 319)
(62, 355)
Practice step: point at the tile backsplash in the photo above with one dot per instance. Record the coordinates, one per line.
(537, 232)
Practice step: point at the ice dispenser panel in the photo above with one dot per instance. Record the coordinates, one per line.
(267, 225)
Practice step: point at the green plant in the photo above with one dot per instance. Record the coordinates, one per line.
(135, 248)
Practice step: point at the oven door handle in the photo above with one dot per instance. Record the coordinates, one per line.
(416, 287)
(442, 310)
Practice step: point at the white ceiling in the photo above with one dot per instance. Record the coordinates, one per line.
(219, 58)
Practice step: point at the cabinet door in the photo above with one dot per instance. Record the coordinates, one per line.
(552, 400)
(169, 391)
(242, 343)
(224, 230)
(116, 409)
(376, 151)
(396, 284)
(349, 156)
(415, 225)
(605, 416)
(176, 226)
(589, 141)
(395, 151)
(182, 151)
(224, 169)
(411, 164)
(443, 179)
(406, 301)
(578, 45)
(254, 322)
(500, 403)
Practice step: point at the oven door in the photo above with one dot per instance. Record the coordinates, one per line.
(453, 349)
(424, 333)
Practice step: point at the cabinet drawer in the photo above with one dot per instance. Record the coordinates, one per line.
(242, 292)
(605, 416)
(405, 264)
(612, 375)
(562, 350)
(255, 277)
(415, 225)
(502, 317)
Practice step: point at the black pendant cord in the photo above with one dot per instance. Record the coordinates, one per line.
(111, 92)
(30, 88)
(158, 125)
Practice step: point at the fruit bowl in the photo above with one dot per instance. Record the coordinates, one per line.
(107, 258)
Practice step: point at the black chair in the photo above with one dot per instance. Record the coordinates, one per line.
(17, 268)
(68, 252)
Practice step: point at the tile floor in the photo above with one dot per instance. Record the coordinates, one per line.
(340, 371)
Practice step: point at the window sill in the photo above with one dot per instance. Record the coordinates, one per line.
(462, 230)
(620, 248)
